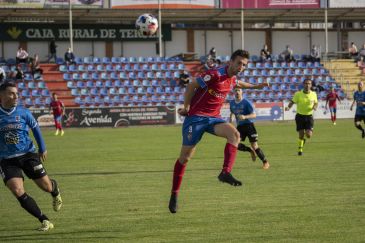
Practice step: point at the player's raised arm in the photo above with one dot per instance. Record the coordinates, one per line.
(244, 85)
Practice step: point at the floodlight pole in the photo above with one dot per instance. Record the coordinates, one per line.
(70, 26)
(326, 30)
(159, 30)
(242, 26)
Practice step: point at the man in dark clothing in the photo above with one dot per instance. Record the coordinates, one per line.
(52, 50)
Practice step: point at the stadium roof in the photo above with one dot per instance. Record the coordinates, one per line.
(128, 16)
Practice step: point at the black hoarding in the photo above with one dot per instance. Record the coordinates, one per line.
(119, 116)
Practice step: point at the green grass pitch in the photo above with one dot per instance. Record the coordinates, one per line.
(115, 185)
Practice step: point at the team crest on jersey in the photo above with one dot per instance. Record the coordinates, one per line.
(17, 118)
(207, 78)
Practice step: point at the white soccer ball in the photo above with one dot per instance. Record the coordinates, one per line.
(147, 24)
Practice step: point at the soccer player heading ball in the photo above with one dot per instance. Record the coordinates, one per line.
(204, 97)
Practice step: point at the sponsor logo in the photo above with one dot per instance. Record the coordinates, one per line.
(14, 32)
(96, 120)
(11, 138)
(216, 94)
(17, 118)
(91, 112)
(38, 167)
(207, 78)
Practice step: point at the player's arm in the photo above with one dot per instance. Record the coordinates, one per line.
(188, 95)
(338, 98)
(63, 108)
(33, 124)
(291, 103)
(249, 116)
(315, 105)
(244, 85)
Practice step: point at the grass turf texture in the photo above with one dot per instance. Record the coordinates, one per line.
(115, 185)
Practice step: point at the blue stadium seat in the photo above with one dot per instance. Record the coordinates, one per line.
(31, 85)
(103, 92)
(114, 75)
(123, 75)
(128, 67)
(136, 83)
(117, 83)
(131, 90)
(88, 60)
(155, 83)
(59, 61)
(29, 102)
(94, 91)
(79, 101)
(63, 68)
(122, 91)
(113, 91)
(76, 76)
(104, 76)
(132, 59)
(159, 75)
(141, 75)
(108, 84)
(109, 68)
(41, 85)
(164, 83)
(115, 60)
(150, 75)
(35, 93)
(154, 67)
(105, 60)
(141, 90)
(136, 67)
(141, 59)
(150, 90)
(25, 93)
(132, 75)
(173, 83)
(124, 60)
(127, 83)
(45, 93)
(181, 66)
(99, 84)
(81, 68)
(100, 68)
(119, 68)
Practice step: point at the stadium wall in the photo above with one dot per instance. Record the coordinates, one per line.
(223, 40)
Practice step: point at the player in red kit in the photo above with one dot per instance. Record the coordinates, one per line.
(204, 97)
(58, 110)
(331, 99)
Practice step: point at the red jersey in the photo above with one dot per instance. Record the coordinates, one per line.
(56, 106)
(210, 96)
(331, 99)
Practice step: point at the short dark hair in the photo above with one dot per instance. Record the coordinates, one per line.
(5, 85)
(307, 79)
(240, 53)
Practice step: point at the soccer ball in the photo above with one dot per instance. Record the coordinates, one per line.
(147, 24)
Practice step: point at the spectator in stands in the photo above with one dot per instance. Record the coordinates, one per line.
(19, 74)
(316, 87)
(184, 79)
(36, 67)
(2, 75)
(362, 53)
(265, 54)
(21, 56)
(315, 54)
(209, 64)
(353, 52)
(287, 55)
(52, 50)
(69, 57)
(213, 53)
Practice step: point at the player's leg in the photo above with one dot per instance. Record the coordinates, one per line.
(35, 170)
(56, 125)
(334, 115)
(260, 154)
(242, 129)
(358, 125)
(229, 132)
(186, 154)
(299, 120)
(16, 186)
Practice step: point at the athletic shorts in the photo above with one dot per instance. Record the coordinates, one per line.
(58, 118)
(29, 163)
(248, 130)
(333, 109)
(195, 126)
(359, 118)
(304, 122)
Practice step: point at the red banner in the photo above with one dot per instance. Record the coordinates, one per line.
(251, 4)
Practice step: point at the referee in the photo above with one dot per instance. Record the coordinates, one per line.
(306, 101)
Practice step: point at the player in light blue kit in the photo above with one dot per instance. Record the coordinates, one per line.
(245, 114)
(359, 99)
(18, 153)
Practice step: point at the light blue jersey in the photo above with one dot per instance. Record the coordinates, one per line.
(359, 97)
(14, 132)
(244, 107)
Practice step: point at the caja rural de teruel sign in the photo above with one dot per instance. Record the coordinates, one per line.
(41, 32)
